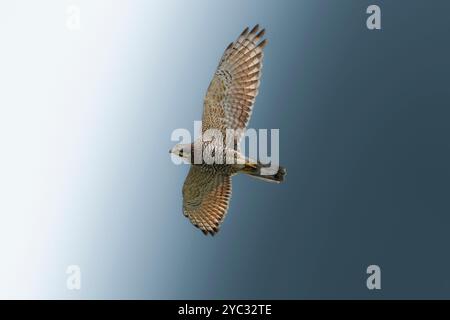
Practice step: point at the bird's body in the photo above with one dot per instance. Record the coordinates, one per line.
(227, 108)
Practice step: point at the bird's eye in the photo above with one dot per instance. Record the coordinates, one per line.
(181, 152)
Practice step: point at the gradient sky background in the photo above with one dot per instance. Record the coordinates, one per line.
(85, 124)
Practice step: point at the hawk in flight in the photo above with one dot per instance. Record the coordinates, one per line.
(228, 105)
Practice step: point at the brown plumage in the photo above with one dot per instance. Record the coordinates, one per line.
(206, 195)
(228, 104)
(234, 87)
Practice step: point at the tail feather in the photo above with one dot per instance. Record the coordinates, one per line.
(265, 172)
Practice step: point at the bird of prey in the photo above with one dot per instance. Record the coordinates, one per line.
(228, 105)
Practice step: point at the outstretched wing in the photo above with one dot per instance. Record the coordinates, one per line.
(232, 91)
(206, 195)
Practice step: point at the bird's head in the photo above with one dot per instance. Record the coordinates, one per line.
(182, 150)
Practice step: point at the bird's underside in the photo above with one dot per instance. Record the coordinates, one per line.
(228, 105)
